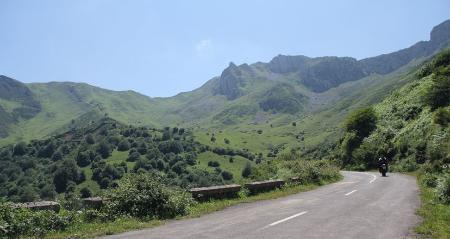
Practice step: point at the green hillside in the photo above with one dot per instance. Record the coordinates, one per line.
(95, 156)
(315, 92)
(411, 127)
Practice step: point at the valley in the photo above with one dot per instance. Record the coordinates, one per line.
(292, 117)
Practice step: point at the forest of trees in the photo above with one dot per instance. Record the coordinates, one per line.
(42, 169)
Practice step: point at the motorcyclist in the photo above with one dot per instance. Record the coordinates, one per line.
(383, 160)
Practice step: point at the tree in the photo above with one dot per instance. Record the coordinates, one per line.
(247, 171)
(438, 94)
(57, 156)
(226, 175)
(213, 139)
(85, 192)
(142, 148)
(48, 192)
(123, 145)
(362, 122)
(47, 151)
(104, 149)
(83, 159)
(171, 146)
(67, 172)
(90, 139)
(28, 194)
(227, 141)
(166, 135)
(20, 149)
(259, 131)
(294, 124)
(133, 157)
(441, 117)
(104, 183)
(213, 164)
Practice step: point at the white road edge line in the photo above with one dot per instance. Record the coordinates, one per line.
(350, 192)
(286, 219)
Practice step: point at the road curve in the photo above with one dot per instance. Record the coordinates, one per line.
(363, 205)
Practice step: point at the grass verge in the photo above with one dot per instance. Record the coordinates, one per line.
(436, 216)
(91, 230)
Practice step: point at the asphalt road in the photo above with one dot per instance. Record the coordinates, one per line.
(363, 205)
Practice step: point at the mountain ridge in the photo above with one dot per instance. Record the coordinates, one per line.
(283, 89)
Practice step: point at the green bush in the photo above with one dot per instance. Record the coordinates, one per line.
(247, 171)
(227, 175)
(441, 117)
(443, 189)
(438, 94)
(123, 145)
(213, 164)
(362, 122)
(21, 222)
(290, 165)
(430, 180)
(147, 196)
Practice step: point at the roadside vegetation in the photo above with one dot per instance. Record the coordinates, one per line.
(411, 128)
(146, 199)
(435, 208)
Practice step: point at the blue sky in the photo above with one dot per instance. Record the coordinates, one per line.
(161, 48)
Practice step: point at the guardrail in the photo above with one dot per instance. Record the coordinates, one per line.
(42, 205)
(202, 193)
(215, 191)
(93, 202)
(268, 185)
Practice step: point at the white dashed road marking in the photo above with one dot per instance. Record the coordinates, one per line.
(286, 219)
(350, 192)
(373, 178)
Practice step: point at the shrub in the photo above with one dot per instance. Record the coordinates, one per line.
(289, 165)
(443, 189)
(20, 149)
(133, 156)
(430, 180)
(247, 171)
(441, 117)
(90, 139)
(438, 94)
(21, 222)
(85, 192)
(123, 145)
(362, 122)
(227, 175)
(147, 196)
(104, 149)
(213, 164)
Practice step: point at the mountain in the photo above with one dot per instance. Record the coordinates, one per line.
(249, 104)
(412, 124)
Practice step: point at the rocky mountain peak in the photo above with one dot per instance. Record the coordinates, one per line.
(441, 33)
(229, 82)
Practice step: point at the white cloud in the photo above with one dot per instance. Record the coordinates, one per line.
(203, 46)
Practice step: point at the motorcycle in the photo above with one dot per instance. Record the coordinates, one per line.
(383, 169)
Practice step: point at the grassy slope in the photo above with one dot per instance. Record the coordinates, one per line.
(320, 123)
(436, 217)
(235, 168)
(202, 109)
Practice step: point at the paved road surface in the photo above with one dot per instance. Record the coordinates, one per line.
(363, 205)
